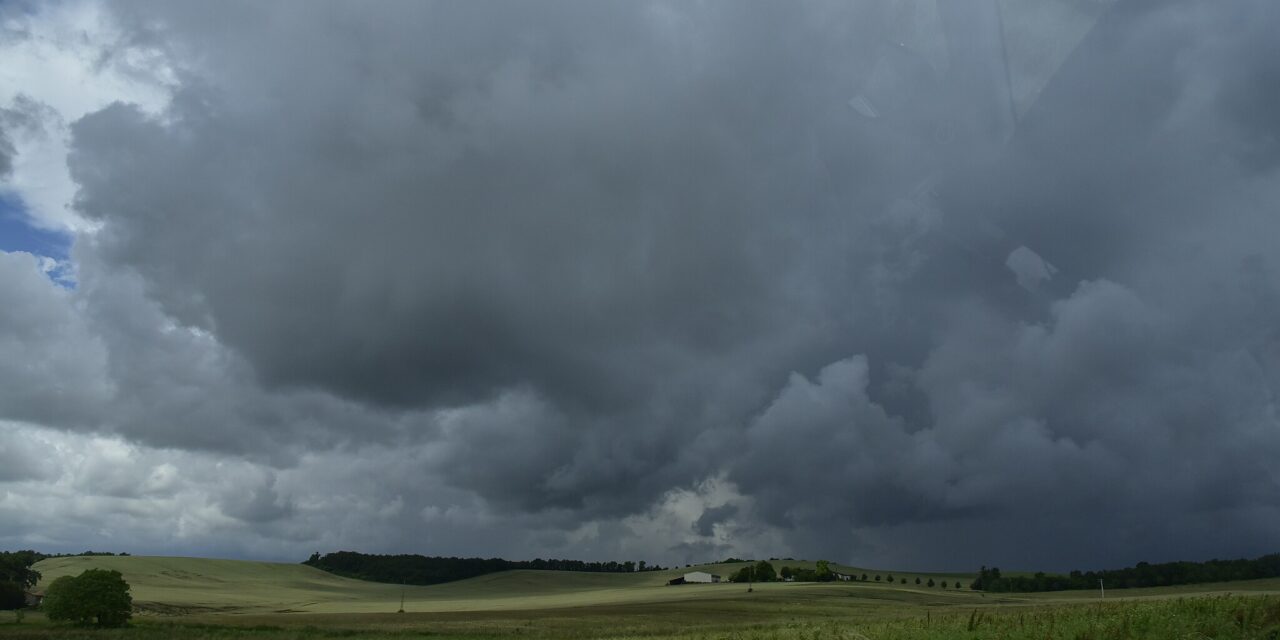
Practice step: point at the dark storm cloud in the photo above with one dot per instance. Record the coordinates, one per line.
(557, 263)
(468, 218)
(1146, 403)
(593, 206)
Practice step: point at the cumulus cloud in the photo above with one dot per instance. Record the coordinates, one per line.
(1028, 268)
(62, 61)
(653, 278)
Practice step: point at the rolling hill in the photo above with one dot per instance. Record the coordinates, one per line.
(202, 585)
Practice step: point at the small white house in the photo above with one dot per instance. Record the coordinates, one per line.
(700, 576)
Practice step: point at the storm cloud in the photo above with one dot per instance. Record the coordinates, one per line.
(891, 283)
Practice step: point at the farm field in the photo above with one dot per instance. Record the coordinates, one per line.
(200, 585)
(199, 598)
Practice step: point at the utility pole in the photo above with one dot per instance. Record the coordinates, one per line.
(401, 596)
(1102, 588)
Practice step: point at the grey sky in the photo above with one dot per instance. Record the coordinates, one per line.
(889, 283)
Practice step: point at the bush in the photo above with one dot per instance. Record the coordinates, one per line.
(96, 596)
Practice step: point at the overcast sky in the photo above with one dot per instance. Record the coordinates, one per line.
(899, 283)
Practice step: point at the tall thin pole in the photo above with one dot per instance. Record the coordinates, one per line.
(1102, 588)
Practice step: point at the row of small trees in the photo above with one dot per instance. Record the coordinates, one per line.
(763, 571)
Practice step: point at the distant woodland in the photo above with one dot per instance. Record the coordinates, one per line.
(421, 570)
(1142, 575)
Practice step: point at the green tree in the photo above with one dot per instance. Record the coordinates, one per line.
(97, 596)
(877, 577)
(987, 580)
(764, 572)
(15, 567)
(16, 576)
(930, 582)
(957, 584)
(822, 572)
(917, 580)
(787, 572)
(864, 577)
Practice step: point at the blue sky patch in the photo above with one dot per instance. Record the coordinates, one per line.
(17, 234)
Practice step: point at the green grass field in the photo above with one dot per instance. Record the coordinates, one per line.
(203, 598)
(198, 585)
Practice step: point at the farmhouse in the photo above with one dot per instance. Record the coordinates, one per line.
(32, 598)
(701, 576)
(846, 577)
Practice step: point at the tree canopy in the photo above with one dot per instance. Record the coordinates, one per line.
(15, 567)
(820, 573)
(1141, 575)
(16, 576)
(96, 596)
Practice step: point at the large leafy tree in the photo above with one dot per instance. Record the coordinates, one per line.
(15, 568)
(764, 572)
(97, 596)
(16, 576)
(822, 571)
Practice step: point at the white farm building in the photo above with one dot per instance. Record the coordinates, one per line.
(700, 576)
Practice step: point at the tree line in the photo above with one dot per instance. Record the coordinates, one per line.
(1141, 575)
(422, 570)
(763, 571)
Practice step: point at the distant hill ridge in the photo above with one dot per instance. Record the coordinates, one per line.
(426, 570)
(182, 585)
(1142, 575)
